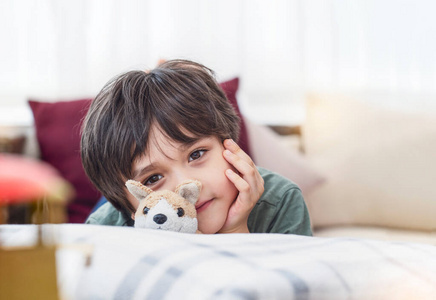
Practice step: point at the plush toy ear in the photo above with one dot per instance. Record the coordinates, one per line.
(137, 189)
(190, 190)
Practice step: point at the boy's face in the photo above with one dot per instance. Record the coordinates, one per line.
(168, 163)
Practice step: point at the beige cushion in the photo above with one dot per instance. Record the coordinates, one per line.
(269, 152)
(380, 164)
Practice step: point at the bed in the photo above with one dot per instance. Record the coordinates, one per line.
(129, 263)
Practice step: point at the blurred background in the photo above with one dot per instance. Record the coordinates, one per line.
(280, 49)
(354, 81)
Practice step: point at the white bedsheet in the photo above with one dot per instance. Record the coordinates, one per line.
(129, 263)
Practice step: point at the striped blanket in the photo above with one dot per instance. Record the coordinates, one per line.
(129, 263)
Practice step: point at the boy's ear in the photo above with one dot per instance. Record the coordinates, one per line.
(190, 190)
(137, 189)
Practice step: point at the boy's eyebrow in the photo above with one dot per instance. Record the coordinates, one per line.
(138, 172)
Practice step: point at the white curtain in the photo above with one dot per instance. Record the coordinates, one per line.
(280, 49)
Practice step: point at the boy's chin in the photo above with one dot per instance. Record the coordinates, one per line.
(211, 229)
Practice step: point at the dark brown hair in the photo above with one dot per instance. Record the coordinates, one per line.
(178, 96)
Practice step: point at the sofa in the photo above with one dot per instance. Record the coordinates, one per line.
(379, 163)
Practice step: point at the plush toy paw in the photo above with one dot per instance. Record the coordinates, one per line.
(166, 210)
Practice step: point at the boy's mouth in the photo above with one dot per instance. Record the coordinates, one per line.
(203, 205)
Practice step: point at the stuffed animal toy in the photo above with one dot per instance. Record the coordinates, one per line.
(166, 210)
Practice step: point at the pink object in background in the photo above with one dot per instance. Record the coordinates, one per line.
(25, 180)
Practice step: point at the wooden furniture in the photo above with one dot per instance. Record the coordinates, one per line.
(287, 130)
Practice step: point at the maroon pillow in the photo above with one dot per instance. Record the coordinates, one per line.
(58, 133)
(231, 88)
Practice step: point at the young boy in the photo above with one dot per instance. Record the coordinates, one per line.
(175, 123)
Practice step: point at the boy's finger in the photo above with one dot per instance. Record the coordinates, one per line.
(241, 185)
(231, 145)
(252, 185)
(244, 164)
(249, 172)
(243, 167)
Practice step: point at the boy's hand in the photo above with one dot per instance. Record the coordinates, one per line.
(249, 184)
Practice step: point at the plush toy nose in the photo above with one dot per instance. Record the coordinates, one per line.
(160, 218)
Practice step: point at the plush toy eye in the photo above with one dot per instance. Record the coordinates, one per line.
(180, 212)
(145, 211)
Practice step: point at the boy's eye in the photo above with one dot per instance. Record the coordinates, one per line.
(153, 179)
(196, 154)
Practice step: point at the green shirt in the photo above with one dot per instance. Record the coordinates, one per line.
(280, 209)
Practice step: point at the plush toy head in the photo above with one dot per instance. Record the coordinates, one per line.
(164, 209)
